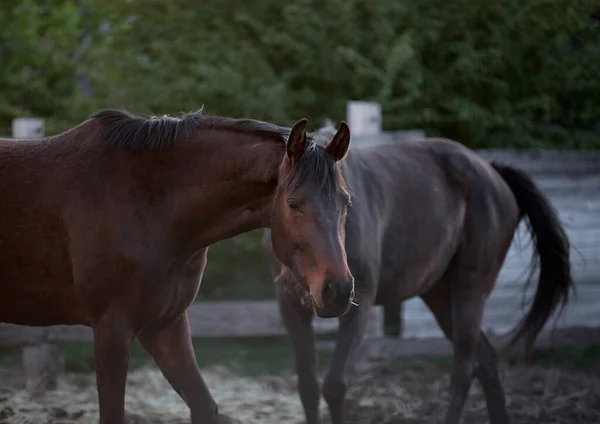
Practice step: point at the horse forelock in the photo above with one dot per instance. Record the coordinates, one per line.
(317, 172)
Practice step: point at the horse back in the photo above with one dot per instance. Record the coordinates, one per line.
(415, 203)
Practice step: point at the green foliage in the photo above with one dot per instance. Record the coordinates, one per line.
(41, 48)
(499, 73)
(237, 269)
(514, 73)
(485, 73)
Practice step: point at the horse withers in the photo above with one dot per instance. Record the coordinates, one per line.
(108, 225)
(430, 218)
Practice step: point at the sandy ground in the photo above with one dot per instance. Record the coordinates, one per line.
(408, 393)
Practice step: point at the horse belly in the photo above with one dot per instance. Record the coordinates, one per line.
(412, 270)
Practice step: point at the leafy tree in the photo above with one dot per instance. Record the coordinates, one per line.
(41, 47)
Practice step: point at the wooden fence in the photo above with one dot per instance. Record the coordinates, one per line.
(244, 318)
(214, 319)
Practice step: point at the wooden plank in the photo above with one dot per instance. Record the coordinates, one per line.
(574, 219)
(253, 318)
(582, 274)
(386, 348)
(583, 269)
(505, 308)
(565, 185)
(584, 249)
(584, 289)
(497, 321)
(207, 319)
(583, 204)
(546, 161)
(535, 162)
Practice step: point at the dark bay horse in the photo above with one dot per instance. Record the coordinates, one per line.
(108, 225)
(430, 218)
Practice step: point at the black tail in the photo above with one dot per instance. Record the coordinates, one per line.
(551, 245)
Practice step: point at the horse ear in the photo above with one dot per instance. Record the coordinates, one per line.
(296, 144)
(338, 146)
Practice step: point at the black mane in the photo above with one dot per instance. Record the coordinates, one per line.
(157, 132)
(315, 169)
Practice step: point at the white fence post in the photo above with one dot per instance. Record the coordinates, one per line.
(40, 361)
(364, 118)
(26, 128)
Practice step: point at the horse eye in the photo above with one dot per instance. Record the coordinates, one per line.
(293, 204)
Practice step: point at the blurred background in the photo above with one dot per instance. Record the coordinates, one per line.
(511, 74)
(515, 73)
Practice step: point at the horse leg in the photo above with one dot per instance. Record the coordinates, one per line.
(298, 324)
(486, 368)
(171, 348)
(489, 377)
(112, 341)
(351, 332)
(467, 311)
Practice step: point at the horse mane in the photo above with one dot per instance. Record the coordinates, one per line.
(133, 132)
(315, 169)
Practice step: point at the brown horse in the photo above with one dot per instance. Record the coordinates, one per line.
(430, 218)
(108, 225)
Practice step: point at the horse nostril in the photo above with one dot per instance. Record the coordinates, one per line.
(328, 292)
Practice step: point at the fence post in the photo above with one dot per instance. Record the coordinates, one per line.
(27, 128)
(364, 118)
(40, 361)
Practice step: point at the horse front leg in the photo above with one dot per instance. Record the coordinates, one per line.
(297, 321)
(112, 342)
(170, 345)
(350, 334)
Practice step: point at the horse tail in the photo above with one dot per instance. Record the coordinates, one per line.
(551, 247)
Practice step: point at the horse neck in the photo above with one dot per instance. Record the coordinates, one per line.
(233, 186)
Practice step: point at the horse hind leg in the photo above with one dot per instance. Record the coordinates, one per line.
(489, 377)
(458, 310)
(466, 317)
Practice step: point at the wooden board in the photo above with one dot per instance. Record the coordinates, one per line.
(207, 319)
(388, 347)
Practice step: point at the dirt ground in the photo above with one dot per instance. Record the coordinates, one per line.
(392, 393)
